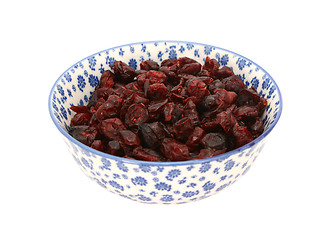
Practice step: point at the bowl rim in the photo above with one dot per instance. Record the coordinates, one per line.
(219, 158)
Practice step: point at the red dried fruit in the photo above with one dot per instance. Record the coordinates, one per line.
(233, 83)
(214, 141)
(111, 127)
(157, 91)
(84, 134)
(110, 108)
(177, 111)
(212, 66)
(194, 139)
(123, 72)
(147, 154)
(149, 65)
(107, 79)
(242, 135)
(98, 145)
(81, 119)
(115, 148)
(136, 114)
(129, 138)
(174, 150)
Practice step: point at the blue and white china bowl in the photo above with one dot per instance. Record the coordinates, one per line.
(160, 182)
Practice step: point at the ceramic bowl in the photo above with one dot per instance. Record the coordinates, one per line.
(160, 182)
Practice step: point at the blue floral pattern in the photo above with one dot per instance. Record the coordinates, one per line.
(155, 182)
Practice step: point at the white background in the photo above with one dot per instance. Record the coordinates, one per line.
(45, 196)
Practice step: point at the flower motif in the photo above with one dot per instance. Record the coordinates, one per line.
(229, 165)
(162, 186)
(208, 186)
(132, 63)
(116, 185)
(189, 194)
(207, 49)
(167, 198)
(122, 166)
(87, 163)
(172, 53)
(63, 112)
(173, 174)
(139, 181)
(205, 167)
(106, 164)
(81, 82)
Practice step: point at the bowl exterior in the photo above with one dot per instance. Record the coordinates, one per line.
(160, 182)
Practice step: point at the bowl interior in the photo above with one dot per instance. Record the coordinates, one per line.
(76, 84)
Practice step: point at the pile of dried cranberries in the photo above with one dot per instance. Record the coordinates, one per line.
(176, 111)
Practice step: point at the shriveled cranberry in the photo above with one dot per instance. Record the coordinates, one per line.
(147, 154)
(123, 72)
(190, 68)
(169, 62)
(248, 96)
(130, 138)
(107, 79)
(80, 109)
(189, 110)
(157, 91)
(194, 139)
(149, 65)
(184, 60)
(171, 112)
(183, 128)
(246, 113)
(209, 152)
(216, 84)
(84, 134)
(172, 77)
(196, 88)
(156, 106)
(214, 140)
(226, 120)
(98, 145)
(256, 127)
(81, 119)
(114, 148)
(242, 135)
(174, 150)
(212, 66)
(110, 108)
(152, 134)
(233, 83)
(224, 72)
(111, 127)
(136, 114)
(156, 77)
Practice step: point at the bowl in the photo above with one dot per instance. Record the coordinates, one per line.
(160, 182)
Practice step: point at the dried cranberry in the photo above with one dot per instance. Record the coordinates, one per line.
(242, 135)
(111, 127)
(107, 79)
(84, 134)
(147, 154)
(115, 148)
(190, 68)
(248, 96)
(149, 65)
(130, 138)
(194, 139)
(123, 72)
(157, 91)
(81, 119)
(98, 145)
(110, 108)
(214, 140)
(212, 66)
(136, 114)
(183, 128)
(174, 150)
(233, 83)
